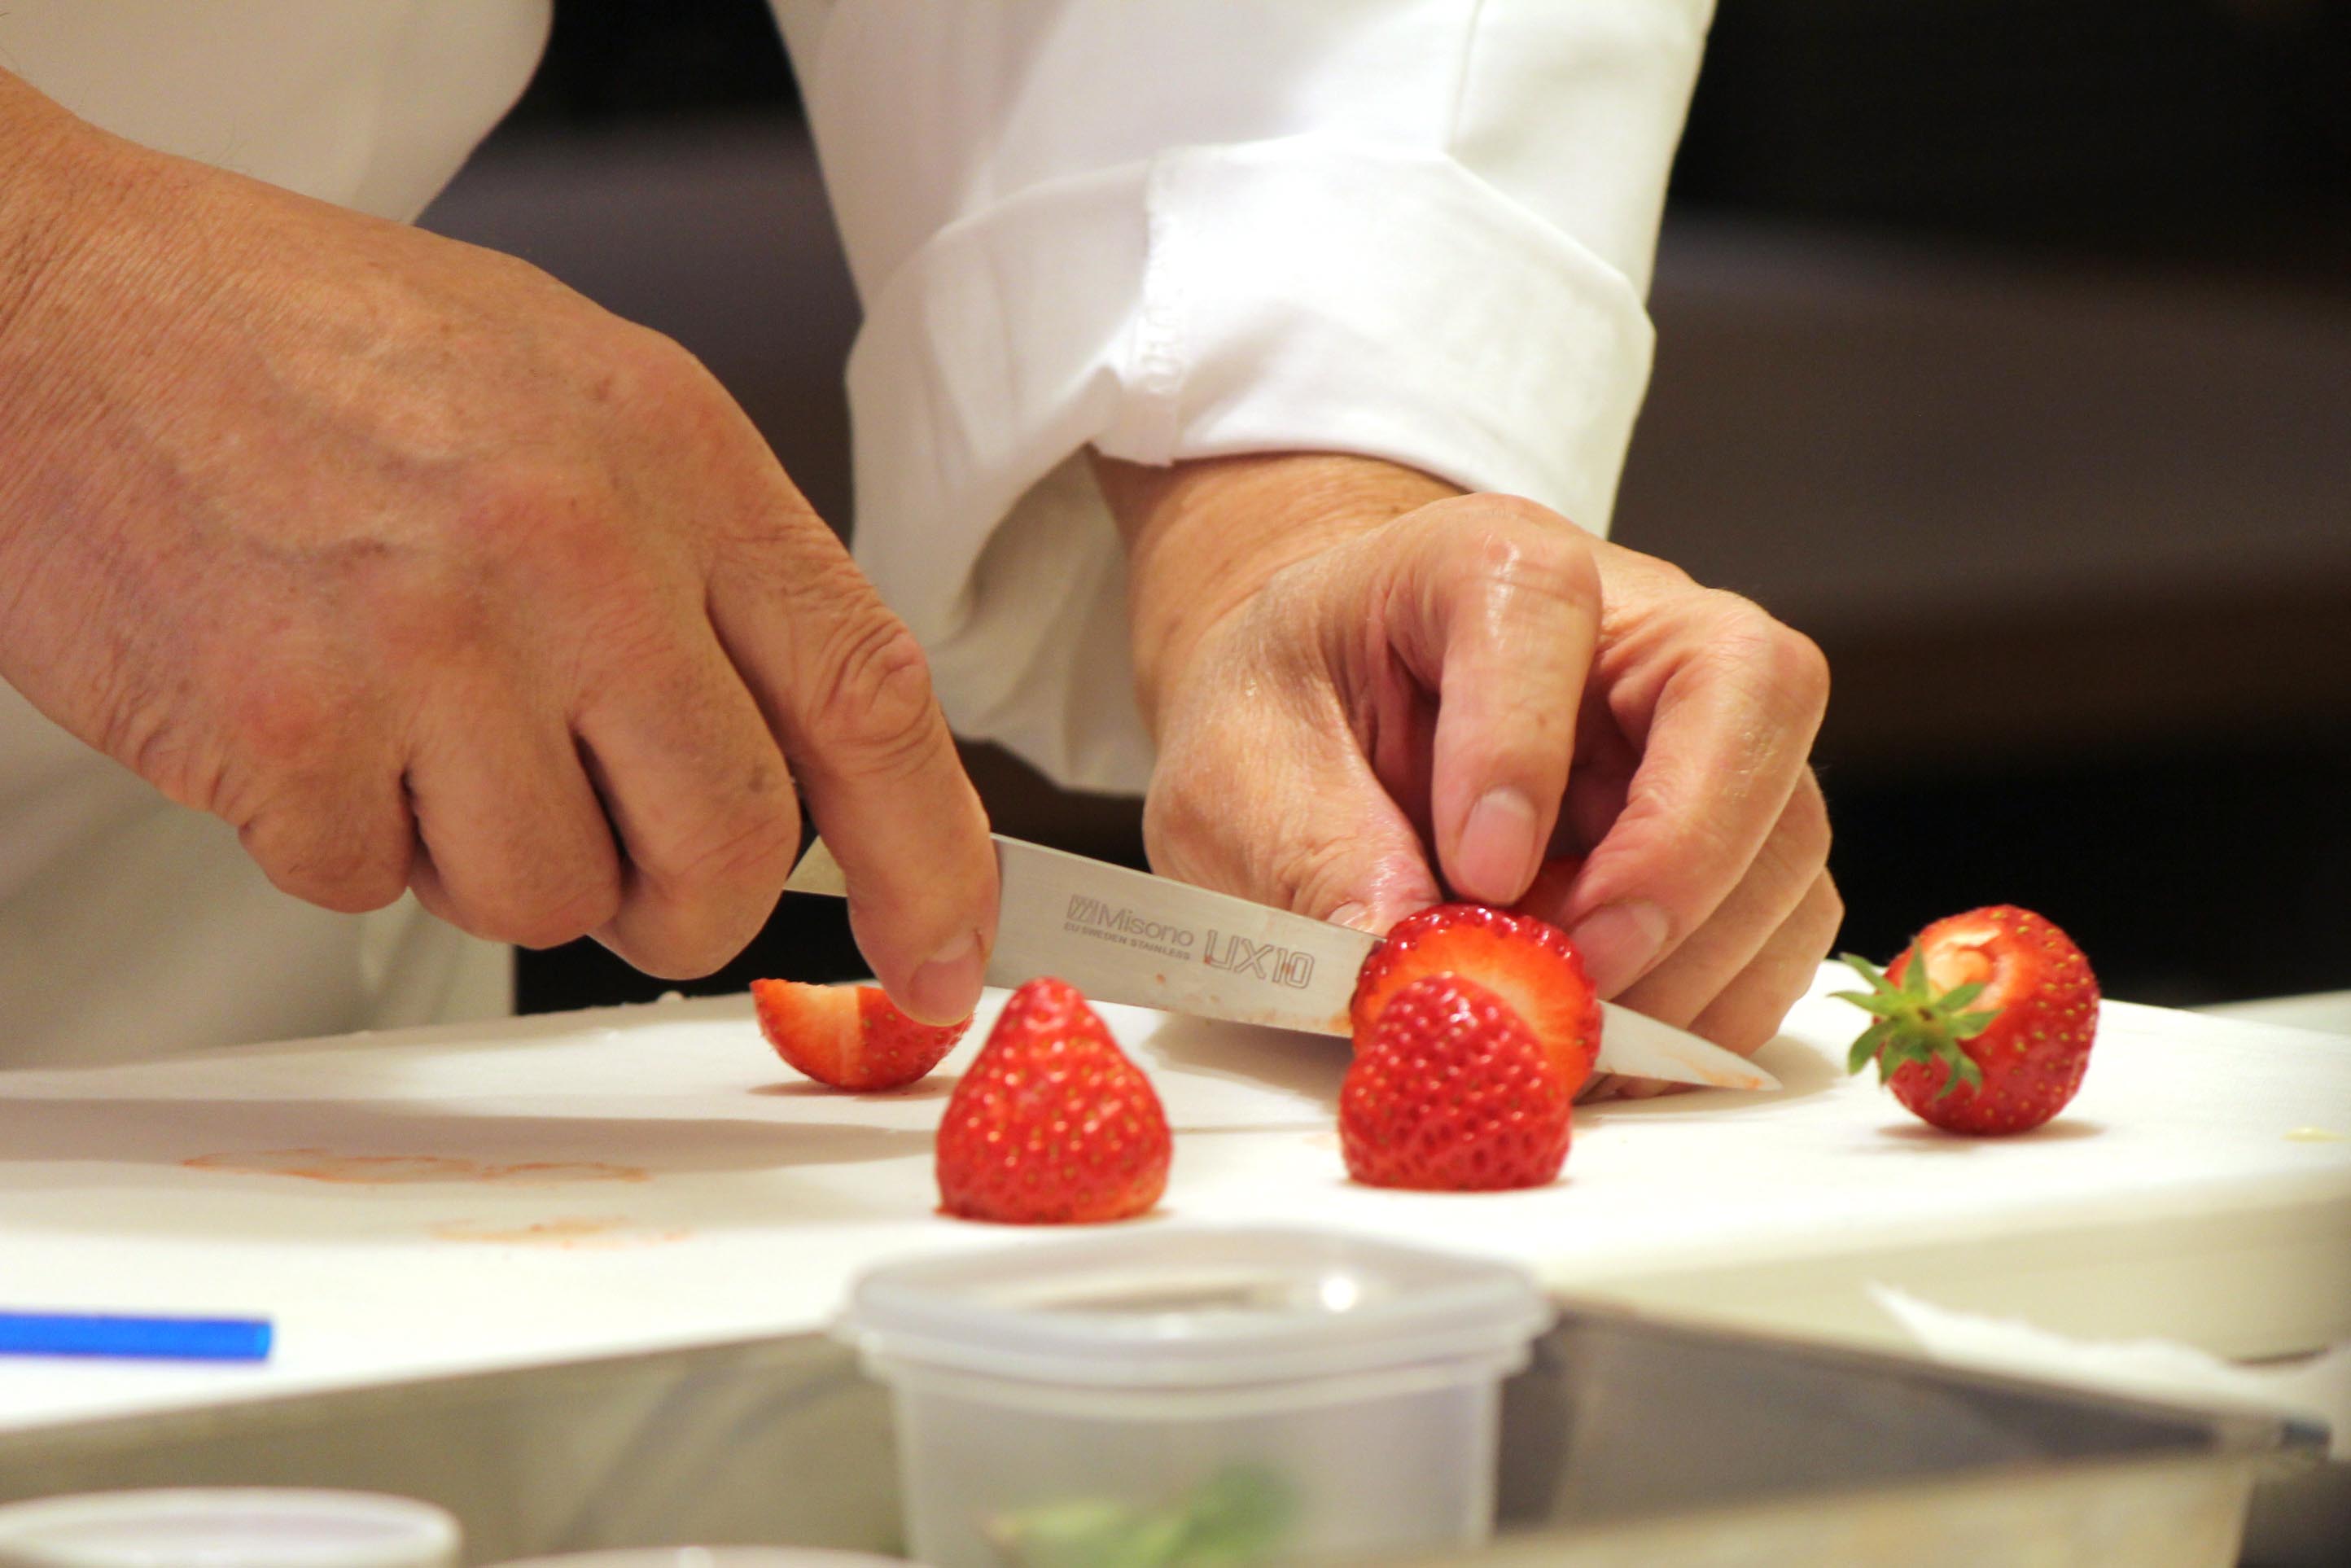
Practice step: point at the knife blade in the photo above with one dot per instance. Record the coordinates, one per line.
(1124, 935)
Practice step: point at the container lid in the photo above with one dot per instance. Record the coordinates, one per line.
(227, 1527)
(1207, 1308)
(712, 1557)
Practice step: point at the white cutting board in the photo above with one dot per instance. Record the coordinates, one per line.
(442, 1200)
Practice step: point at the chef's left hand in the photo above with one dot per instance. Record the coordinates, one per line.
(1345, 661)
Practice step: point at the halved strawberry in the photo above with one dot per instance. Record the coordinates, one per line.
(1528, 964)
(850, 1037)
(1452, 1094)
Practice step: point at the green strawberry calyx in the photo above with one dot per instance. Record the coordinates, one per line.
(1911, 1022)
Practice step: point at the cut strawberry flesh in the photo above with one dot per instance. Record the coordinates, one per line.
(850, 1036)
(1958, 955)
(1529, 965)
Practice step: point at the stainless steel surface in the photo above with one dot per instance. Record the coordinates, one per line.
(1123, 936)
(1690, 1445)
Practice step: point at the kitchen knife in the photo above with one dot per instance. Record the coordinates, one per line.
(1123, 936)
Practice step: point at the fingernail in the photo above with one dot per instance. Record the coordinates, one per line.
(1496, 856)
(946, 989)
(1358, 915)
(1619, 942)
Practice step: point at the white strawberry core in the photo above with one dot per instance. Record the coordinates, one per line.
(1956, 959)
(833, 1008)
(1951, 966)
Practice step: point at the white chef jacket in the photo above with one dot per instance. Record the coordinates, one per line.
(1414, 229)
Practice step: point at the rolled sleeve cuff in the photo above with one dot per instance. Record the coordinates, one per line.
(1306, 294)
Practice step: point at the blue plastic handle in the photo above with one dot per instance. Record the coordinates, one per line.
(152, 1339)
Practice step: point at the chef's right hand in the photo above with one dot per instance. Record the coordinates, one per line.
(423, 571)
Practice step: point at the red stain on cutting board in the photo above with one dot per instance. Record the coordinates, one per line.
(385, 1170)
(580, 1232)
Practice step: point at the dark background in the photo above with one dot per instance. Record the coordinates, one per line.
(2004, 348)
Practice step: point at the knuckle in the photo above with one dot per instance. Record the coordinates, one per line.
(1828, 917)
(1653, 573)
(550, 916)
(563, 543)
(1559, 569)
(790, 551)
(874, 703)
(1739, 623)
(499, 501)
(576, 521)
(1513, 552)
(1788, 664)
(662, 393)
(280, 722)
(1498, 510)
(1314, 869)
(563, 523)
(1292, 861)
(1746, 1016)
(308, 854)
(671, 957)
(644, 368)
(751, 848)
(349, 882)
(421, 616)
(290, 727)
(188, 770)
(1180, 829)
(1801, 669)
(1806, 825)
(1745, 1029)
(629, 648)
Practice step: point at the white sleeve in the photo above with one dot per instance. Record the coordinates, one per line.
(1419, 230)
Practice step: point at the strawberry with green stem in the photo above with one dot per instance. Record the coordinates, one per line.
(1913, 1024)
(1983, 1024)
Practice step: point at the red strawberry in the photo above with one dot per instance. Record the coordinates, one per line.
(1051, 1124)
(850, 1036)
(1049, 1006)
(1529, 963)
(1548, 889)
(1991, 1033)
(1452, 1092)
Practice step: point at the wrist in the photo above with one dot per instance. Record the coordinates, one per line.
(38, 195)
(37, 204)
(82, 278)
(1205, 535)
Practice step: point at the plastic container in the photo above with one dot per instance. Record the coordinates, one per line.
(227, 1527)
(1626, 1441)
(1245, 1395)
(712, 1557)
